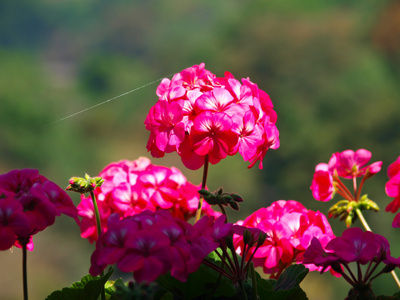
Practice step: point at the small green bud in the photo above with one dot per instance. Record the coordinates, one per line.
(261, 239)
(229, 242)
(204, 192)
(84, 185)
(247, 238)
(234, 205)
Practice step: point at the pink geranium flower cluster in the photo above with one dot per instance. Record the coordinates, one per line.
(199, 115)
(150, 244)
(354, 246)
(131, 187)
(393, 190)
(347, 164)
(29, 203)
(290, 228)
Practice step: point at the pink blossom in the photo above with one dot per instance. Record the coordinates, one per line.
(212, 135)
(250, 135)
(131, 187)
(177, 122)
(349, 164)
(40, 201)
(396, 221)
(164, 120)
(150, 244)
(355, 246)
(394, 168)
(316, 254)
(290, 228)
(322, 184)
(13, 223)
(392, 187)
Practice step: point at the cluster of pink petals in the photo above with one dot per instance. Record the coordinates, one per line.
(29, 203)
(131, 187)
(393, 190)
(290, 228)
(354, 245)
(199, 114)
(150, 244)
(347, 164)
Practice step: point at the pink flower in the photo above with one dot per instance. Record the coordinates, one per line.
(145, 255)
(393, 188)
(250, 135)
(290, 228)
(13, 223)
(394, 168)
(164, 120)
(211, 134)
(322, 184)
(316, 254)
(195, 105)
(40, 201)
(396, 221)
(131, 187)
(150, 244)
(355, 246)
(349, 164)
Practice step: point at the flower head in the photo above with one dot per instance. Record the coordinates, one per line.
(393, 187)
(150, 244)
(322, 184)
(29, 203)
(131, 187)
(354, 246)
(199, 114)
(349, 164)
(290, 227)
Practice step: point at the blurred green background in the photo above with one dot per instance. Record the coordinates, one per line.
(332, 69)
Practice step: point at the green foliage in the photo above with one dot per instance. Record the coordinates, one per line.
(206, 283)
(89, 288)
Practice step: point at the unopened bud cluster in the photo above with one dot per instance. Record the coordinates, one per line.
(221, 198)
(85, 184)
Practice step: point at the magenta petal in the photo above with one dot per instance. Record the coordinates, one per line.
(396, 221)
(7, 238)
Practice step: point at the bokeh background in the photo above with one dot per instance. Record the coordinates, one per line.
(331, 67)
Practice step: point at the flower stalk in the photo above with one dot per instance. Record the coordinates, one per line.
(24, 271)
(203, 186)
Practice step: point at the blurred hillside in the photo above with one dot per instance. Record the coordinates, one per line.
(331, 68)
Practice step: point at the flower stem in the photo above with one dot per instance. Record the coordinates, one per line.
(365, 224)
(24, 271)
(343, 190)
(203, 186)
(97, 214)
(242, 290)
(98, 225)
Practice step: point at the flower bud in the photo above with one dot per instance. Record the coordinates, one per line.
(247, 238)
(84, 185)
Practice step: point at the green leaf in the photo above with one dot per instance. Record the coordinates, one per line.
(201, 283)
(89, 288)
(291, 277)
(286, 288)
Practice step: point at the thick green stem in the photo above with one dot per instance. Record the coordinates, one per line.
(98, 225)
(366, 226)
(203, 186)
(242, 290)
(97, 214)
(24, 271)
